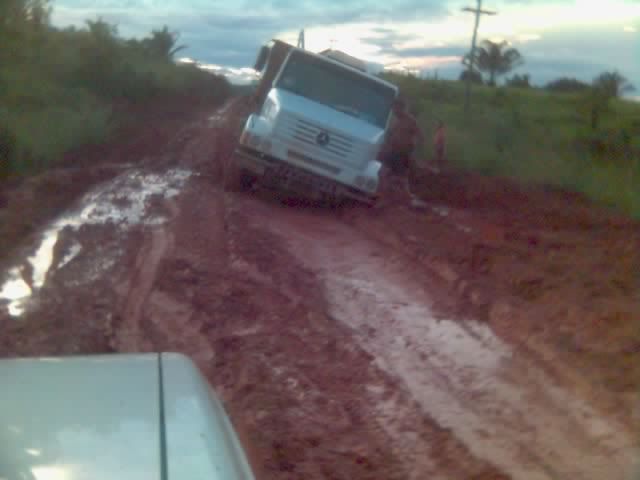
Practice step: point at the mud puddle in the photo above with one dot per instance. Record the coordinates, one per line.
(501, 406)
(128, 200)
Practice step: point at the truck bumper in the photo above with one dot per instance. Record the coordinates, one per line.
(275, 172)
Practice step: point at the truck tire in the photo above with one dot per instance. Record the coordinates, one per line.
(236, 179)
(247, 181)
(230, 176)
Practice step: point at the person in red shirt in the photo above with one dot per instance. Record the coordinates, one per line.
(397, 154)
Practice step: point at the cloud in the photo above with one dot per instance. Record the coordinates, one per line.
(423, 34)
(387, 38)
(454, 51)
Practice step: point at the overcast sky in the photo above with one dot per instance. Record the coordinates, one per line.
(556, 37)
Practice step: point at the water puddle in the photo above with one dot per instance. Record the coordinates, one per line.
(123, 202)
(74, 251)
(14, 291)
(441, 210)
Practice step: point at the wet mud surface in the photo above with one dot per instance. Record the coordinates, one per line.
(494, 334)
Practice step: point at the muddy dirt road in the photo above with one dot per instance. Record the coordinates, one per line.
(494, 335)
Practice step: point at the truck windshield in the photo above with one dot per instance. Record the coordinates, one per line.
(337, 88)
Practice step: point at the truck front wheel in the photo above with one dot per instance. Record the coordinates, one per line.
(236, 179)
(231, 175)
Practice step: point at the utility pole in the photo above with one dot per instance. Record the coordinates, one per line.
(478, 11)
(301, 39)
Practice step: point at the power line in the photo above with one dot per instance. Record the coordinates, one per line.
(478, 12)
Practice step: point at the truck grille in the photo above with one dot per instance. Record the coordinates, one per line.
(307, 132)
(302, 135)
(311, 161)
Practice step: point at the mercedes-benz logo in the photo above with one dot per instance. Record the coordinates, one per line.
(322, 139)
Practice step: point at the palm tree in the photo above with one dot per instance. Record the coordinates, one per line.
(162, 44)
(612, 84)
(494, 59)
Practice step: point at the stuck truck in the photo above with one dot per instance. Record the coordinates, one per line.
(318, 124)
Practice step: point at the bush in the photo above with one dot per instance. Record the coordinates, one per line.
(566, 85)
(43, 136)
(519, 81)
(58, 93)
(536, 136)
(473, 76)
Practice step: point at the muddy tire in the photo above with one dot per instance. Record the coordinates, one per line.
(236, 179)
(247, 181)
(231, 176)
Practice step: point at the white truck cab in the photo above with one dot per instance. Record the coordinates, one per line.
(319, 124)
(122, 416)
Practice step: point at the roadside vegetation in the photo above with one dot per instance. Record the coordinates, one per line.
(64, 88)
(569, 134)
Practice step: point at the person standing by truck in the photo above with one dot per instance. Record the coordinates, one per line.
(397, 155)
(439, 143)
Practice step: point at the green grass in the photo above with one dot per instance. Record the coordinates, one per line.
(535, 137)
(58, 87)
(43, 136)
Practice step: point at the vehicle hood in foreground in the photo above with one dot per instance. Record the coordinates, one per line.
(108, 416)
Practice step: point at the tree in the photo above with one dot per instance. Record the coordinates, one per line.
(519, 81)
(474, 76)
(566, 85)
(19, 21)
(162, 44)
(494, 59)
(612, 84)
(38, 13)
(102, 31)
(16, 13)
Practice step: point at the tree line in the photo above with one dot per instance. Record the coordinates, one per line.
(492, 60)
(59, 86)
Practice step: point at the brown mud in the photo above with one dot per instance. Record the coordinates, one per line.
(494, 334)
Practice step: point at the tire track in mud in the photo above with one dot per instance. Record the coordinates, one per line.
(190, 148)
(248, 343)
(504, 409)
(425, 448)
(312, 402)
(157, 243)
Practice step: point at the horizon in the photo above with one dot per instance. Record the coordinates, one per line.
(557, 38)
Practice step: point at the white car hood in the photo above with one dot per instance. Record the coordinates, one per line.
(326, 117)
(101, 418)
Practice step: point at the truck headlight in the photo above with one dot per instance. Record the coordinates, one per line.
(268, 108)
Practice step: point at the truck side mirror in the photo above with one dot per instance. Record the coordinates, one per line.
(261, 61)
